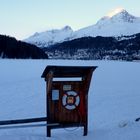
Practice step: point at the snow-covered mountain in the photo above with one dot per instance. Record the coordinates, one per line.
(50, 37)
(117, 23)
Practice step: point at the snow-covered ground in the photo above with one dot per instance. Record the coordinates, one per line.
(114, 100)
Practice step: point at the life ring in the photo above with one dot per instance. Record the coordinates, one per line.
(70, 100)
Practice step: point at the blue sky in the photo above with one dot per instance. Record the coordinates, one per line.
(22, 18)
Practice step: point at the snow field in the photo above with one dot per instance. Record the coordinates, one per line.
(113, 100)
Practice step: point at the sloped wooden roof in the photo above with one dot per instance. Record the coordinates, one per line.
(68, 71)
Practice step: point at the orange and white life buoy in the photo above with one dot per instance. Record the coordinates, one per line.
(70, 100)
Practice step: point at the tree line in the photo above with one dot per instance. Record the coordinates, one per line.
(98, 48)
(12, 48)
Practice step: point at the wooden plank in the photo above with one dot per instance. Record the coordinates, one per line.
(21, 126)
(67, 71)
(65, 125)
(20, 121)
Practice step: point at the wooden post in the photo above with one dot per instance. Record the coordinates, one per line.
(48, 131)
(49, 79)
(85, 129)
(86, 80)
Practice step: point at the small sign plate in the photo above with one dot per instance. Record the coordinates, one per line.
(55, 95)
(66, 87)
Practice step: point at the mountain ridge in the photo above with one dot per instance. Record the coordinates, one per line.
(116, 23)
(50, 37)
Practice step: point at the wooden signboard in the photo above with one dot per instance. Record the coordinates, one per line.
(67, 101)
